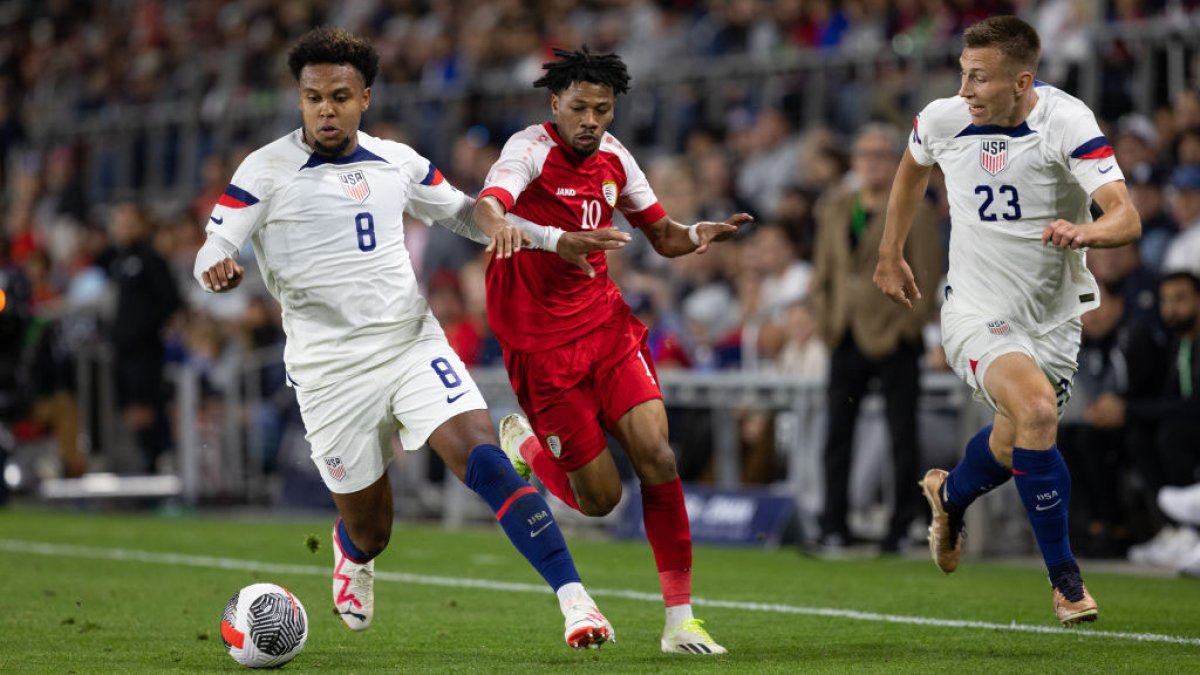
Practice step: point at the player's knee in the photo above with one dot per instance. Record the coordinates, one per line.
(1039, 417)
(658, 466)
(600, 502)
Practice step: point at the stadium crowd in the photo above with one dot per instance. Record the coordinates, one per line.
(74, 256)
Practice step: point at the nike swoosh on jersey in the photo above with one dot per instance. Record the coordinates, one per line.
(1045, 507)
(1105, 169)
(452, 399)
(539, 530)
(216, 219)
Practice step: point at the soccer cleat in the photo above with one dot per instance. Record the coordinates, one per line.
(945, 531)
(1072, 602)
(690, 637)
(514, 431)
(586, 627)
(1166, 549)
(353, 588)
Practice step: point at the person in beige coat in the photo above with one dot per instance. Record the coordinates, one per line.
(870, 337)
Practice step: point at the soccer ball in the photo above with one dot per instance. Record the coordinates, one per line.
(264, 625)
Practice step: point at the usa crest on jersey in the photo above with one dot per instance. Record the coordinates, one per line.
(337, 470)
(354, 184)
(993, 154)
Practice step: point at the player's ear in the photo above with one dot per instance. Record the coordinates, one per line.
(554, 104)
(1024, 81)
(366, 99)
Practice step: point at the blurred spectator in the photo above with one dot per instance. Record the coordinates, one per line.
(871, 337)
(146, 300)
(462, 332)
(1146, 183)
(1119, 356)
(1166, 426)
(1122, 270)
(1184, 251)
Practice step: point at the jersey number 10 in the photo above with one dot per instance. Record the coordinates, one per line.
(591, 215)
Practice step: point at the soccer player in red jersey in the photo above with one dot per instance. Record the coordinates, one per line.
(577, 358)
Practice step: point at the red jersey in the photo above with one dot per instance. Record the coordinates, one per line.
(535, 299)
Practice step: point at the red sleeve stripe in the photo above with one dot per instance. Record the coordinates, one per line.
(651, 214)
(236, 198)
(434, 177)
(1097, 148)
(501, 194)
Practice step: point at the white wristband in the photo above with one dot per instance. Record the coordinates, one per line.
(693, 233)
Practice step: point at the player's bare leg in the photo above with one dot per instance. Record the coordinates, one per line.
(642, 431)
(359, 535)
(1027, 399)
(468, 445)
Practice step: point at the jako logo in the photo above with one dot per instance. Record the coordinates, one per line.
(566, 192)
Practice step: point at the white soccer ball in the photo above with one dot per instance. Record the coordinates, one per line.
(264, 625)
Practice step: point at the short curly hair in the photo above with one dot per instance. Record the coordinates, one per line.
(329, 44)
(584, 66)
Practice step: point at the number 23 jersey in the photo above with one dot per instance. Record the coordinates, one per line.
(1005, 185)
(329, 238)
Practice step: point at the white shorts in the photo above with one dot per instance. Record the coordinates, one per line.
(350, 424)
(973, 341)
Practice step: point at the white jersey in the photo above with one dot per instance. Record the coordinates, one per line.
(329, 238)
(1005, 185)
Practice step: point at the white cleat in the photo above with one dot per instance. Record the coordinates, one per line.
(586, 627)
(690, 637)
(1181, 504)
(514, 431)
(353, 588)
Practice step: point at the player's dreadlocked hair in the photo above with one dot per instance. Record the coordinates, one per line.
(584, 66)
(328, 44)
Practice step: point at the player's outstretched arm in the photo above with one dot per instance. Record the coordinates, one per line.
(1119, 225)
(893, 276)
(672, 239)
(506, 238)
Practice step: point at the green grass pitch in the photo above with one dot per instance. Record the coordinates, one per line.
(145, 594)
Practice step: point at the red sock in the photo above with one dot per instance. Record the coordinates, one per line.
(547, 470)
(665, 516)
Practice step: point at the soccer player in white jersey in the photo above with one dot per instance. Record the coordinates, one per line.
(1022, 161)
(324, 207)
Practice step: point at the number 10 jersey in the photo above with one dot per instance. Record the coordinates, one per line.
(1005, 185)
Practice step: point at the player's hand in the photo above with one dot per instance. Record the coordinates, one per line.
(507, 241)
(894, 277)
(223, 276)
(1064, 234)
(1106, 412)
(574, 247)
(710, 232)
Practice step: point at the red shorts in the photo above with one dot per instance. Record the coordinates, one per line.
(572, 393)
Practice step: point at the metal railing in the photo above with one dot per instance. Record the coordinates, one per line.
(153, 151)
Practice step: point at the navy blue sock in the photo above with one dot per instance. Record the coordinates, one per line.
(977, 473)
(1044, 484)
(348, 548)
(523, 514)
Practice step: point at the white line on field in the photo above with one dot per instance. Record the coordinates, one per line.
(47, 549)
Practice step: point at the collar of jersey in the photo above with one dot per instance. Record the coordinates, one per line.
(360, 154)
(567, 149)
(1018, 131)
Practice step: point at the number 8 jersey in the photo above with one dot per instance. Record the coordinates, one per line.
(1005, 185)
(329, 238)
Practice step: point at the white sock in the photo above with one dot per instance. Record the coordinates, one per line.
(572, 593)
(678, 614)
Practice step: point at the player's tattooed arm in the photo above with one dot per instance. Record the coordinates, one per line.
(1119, 225)
(672, 239)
